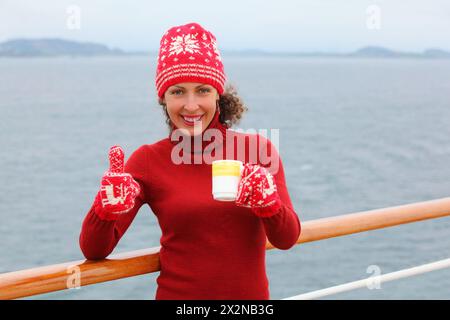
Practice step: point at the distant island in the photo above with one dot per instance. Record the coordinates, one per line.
(53, 47)
(381, 52)
(365, 52)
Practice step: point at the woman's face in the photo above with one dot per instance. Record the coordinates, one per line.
(191, 104)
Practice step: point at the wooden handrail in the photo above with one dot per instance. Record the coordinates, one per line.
(57, 277)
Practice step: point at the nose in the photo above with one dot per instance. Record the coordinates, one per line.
(191, 103)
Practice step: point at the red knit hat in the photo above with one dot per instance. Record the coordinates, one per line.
(189, 53)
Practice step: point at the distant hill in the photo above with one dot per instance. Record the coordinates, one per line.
(376, 52)
(381, 52)
(54, 47)
(60, 47)
(365, 52)
(436, 53)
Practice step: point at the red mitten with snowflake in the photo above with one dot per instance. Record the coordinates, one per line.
(257, 190)
(118, 190)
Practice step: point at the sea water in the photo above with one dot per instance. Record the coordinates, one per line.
(354, 135)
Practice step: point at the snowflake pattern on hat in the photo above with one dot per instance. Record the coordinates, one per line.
(182, 44)
(189, 53)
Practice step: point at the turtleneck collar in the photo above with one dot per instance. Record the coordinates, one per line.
(216, 139)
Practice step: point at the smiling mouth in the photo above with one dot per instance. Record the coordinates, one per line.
(190, 120)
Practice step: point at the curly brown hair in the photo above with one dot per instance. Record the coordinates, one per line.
(231, 107)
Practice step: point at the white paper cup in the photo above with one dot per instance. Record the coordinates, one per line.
(226, 175)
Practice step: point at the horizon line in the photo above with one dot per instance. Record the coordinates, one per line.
(243, 50)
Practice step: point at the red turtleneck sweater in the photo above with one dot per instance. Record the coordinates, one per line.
(209, 249)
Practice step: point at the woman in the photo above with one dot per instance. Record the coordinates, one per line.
(209, 249)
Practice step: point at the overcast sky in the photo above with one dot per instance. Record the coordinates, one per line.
(281, 25)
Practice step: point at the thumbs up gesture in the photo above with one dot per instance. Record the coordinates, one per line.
(118, 189)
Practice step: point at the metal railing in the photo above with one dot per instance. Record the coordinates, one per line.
(67, 275)
(371, 281)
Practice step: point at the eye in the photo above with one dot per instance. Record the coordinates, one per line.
(175, 91)
(205, 90)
